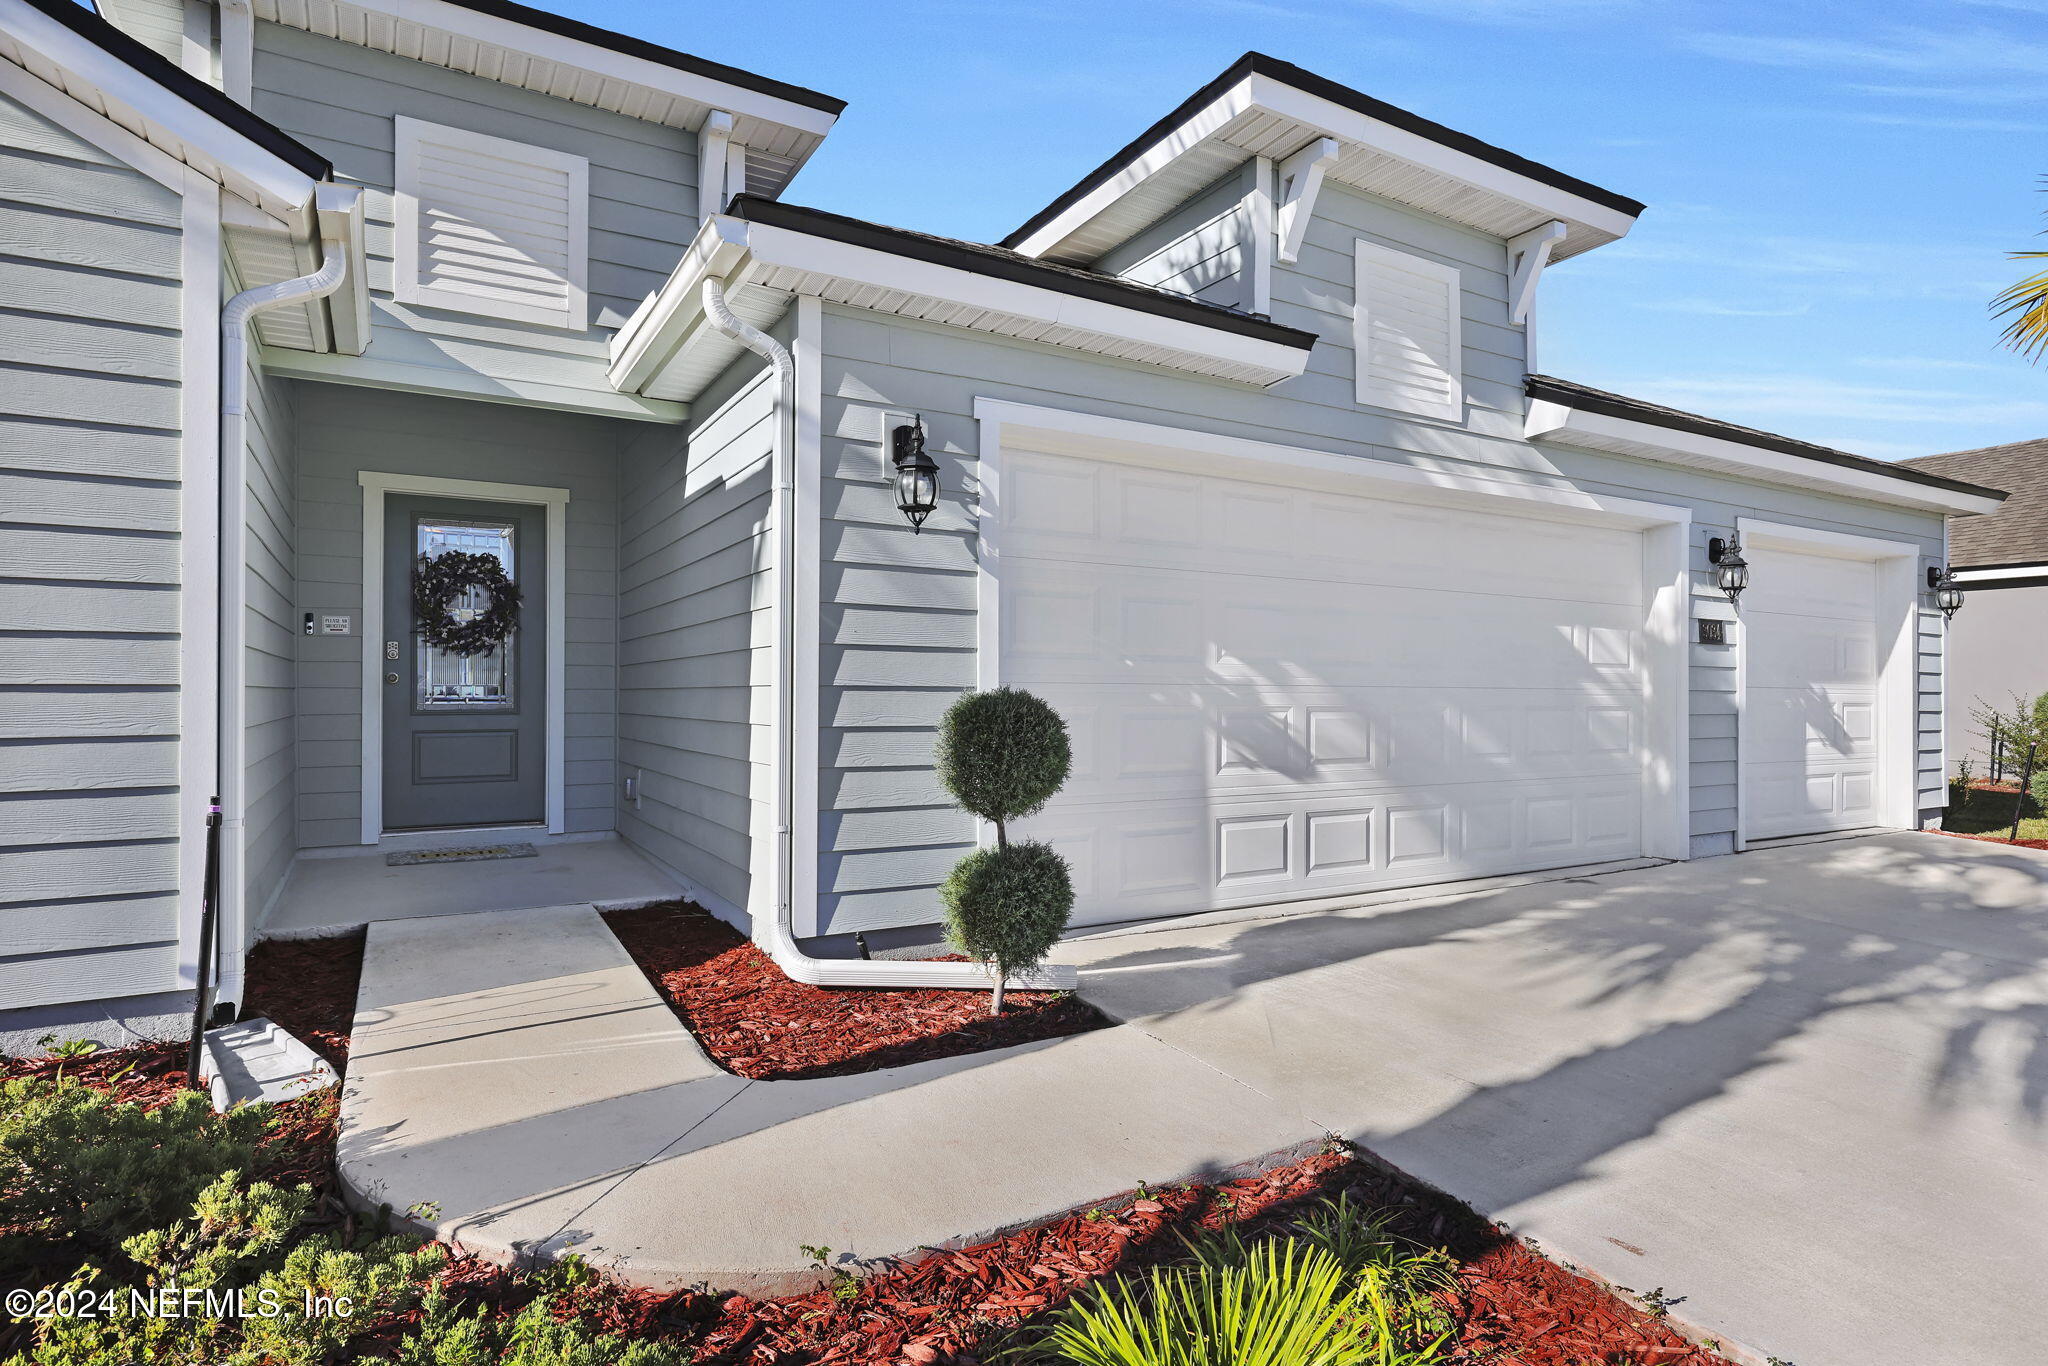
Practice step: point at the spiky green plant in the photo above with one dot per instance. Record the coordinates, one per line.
(1279, 1302)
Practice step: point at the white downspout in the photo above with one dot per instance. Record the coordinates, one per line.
(775, 932)
(232, 937)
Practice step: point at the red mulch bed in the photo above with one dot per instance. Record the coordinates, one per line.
(757, 1023)
(1993, 839)
(963, 1307)
(308, 986)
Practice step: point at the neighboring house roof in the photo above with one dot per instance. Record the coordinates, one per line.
(1718, 444)
(1262, 106)
(121, 104)
(1005, 264)
(2016, 534)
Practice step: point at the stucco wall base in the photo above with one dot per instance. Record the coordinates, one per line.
(113, 1023)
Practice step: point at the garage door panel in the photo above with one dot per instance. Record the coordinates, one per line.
(1142, 744)
(1174, 857)
(1278, 693)
(1068, 621)
(1106, 512)
(1809, 728)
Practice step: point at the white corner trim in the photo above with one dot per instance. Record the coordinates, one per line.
(1258, 209)
(376, 484)
(411, 135)
(102, 132)
(712, 140)
(806, 611)
(199, 506)
(1528, 253)
(1301, 178)
(1555, 420)
(1900, 587)
(237, 51)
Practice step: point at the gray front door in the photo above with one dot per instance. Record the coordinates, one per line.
(464, 739)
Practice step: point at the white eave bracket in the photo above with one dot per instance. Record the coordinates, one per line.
(1528, 253)
(1300, 178)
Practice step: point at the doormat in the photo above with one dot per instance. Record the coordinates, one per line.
(467, 853)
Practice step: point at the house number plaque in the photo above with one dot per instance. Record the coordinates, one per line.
(1713, 631)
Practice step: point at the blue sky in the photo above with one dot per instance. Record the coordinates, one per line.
(1832, 188)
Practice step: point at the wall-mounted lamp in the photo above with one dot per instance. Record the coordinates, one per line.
(917, 474)
(1731, 571)
(1941, 581)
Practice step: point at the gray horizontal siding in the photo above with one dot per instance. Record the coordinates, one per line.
(271, 640)
(340, 99)
(1202, 249)
(897, 621)
(695, 636)
(89, 570)
(342, 431)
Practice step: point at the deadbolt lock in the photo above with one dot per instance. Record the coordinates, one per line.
(390, 678)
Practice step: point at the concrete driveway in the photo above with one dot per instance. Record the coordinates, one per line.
(1802, 1087)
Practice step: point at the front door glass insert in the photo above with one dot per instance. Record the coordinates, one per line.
(450, 682)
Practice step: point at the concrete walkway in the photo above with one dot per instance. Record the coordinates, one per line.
(1803, 1087)
(517, 1085)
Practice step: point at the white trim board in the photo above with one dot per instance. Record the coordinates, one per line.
(100, 81)
(199, 511)
(1557, 421)
(807, 608)
(1899, 589)
(377, 483)
(102, 132)
(1666, 532)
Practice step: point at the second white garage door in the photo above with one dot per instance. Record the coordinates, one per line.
(1279, 693)
(1810, 734)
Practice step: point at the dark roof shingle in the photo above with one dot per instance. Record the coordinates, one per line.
(2018, 532)
(1657, 415)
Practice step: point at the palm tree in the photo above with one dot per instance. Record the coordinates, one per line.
(2026, 307)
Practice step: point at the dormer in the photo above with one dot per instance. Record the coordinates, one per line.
(1234, 198)
(528, 178)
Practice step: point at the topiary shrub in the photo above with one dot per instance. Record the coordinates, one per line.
(1003, 754)
(2038, 791)
(1008, 906)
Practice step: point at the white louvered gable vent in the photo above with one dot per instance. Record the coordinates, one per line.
(1406, 333)
(486, 225)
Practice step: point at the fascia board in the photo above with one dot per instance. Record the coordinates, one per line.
(1155, 159)
(658, 325)
(166, 115)
(1350, 126)
(707, 90)
(784, 247)
(1549, 419)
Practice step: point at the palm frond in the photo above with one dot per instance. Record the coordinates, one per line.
(2026, 305)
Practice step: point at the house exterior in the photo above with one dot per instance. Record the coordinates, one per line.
(1998, 647)
(1243, 461)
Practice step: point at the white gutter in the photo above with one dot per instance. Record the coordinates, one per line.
(774, 931)
(235, 315)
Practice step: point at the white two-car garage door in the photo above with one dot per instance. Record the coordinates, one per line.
(1810, 743)
(1279, 692)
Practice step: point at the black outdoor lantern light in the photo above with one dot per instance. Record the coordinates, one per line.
(1941, 581)
(917, 474)
(1731, 571)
